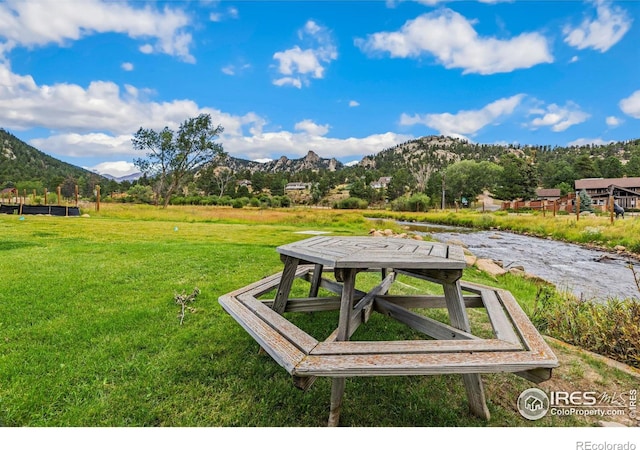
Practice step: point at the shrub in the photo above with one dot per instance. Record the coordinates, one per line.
(225, 201)
(351, 203)
(237, 203)
(415, 203)
(284, 201)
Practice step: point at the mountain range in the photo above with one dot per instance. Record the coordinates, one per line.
(422, 156)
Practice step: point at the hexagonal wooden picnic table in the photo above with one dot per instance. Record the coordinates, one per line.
(517, 346)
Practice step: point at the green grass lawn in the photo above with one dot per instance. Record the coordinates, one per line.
(90, 333)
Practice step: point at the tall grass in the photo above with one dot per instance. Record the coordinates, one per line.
(611, 328)
(596, 230)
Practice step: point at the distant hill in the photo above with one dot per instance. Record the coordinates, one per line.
(309, 162)
(20, 162)
(433, 152)
(130, 177)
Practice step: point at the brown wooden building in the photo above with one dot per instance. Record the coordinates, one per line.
(625, 191)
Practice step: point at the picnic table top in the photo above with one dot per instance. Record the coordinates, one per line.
(375, 252)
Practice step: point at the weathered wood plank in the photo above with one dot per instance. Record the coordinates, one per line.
(337, 393)
(411, 347)
(426, 325)
(365, 305)
(455, 305)
(311, 304)
(418, 364)
(500, 323)
(343, 334)
(368, 253)
(279, 348)
(266, 284)
(280, 324)
(433, 275)
(538, 375)
(346, 305)
(439, 250)
(459, 319)
(429, 301)
(456, 252)
(286, 281)
(315, 281)
(472, 287)
(532, 339)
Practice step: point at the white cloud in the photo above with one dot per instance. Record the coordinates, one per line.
(296, 145)
(353, 104)
(41, 22)
(229, 70)
(235, 69)
(574, 59)
(631, 105)
(127, 66)
(557, 117)
(115, 168)
(99, 121)
(100, 107)
(613, 121)
(147, 49)
(465, 122)
(80, 145)
(451, 38)
(296, 60)
(610, 25)
(296, 82)
(231, 13)
(299, 65)
(393, 3)
(309, 127)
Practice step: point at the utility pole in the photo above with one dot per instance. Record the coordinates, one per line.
(443, 190)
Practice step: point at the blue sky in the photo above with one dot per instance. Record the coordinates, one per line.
(342, 78)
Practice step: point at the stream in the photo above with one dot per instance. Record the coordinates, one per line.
(588, 274)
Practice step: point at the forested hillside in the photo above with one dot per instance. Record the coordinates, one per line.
(427, 167)
(26, 167)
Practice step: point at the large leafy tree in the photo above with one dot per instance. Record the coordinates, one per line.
(173, 156)
(517, 180)
(468, 179)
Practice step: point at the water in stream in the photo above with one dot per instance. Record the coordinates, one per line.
(589, 274)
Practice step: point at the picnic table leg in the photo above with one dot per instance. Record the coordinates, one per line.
(315, 281)
(286, 281)
(284, 288)
(346, 306)
(459, 319)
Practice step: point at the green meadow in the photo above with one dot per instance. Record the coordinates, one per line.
(90, 333)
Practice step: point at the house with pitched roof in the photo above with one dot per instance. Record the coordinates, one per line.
(625, 191)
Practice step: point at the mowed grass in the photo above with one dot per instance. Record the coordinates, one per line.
(90, 333)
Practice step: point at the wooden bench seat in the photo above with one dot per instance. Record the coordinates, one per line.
(517, 346)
